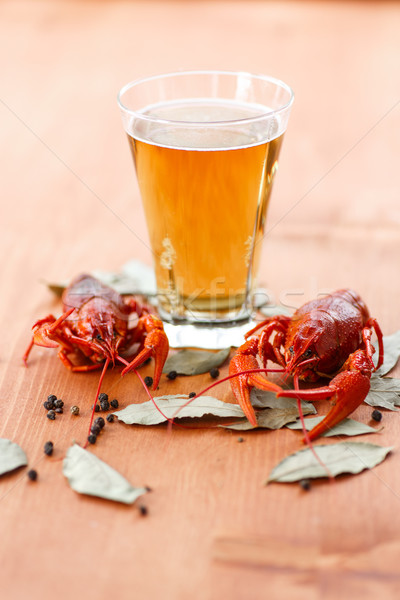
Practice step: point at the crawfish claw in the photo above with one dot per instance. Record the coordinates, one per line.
(155, 345)
(243, 383)
(44, 333)
(347, 390)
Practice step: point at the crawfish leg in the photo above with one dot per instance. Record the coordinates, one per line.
(273, 323)
(27, 352)
(373, 324)
(272, 351)
(85, 368)
(62, 355)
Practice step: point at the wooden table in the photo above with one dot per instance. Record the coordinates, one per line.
(70, 203)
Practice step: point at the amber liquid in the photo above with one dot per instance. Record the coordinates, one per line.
(205, 192)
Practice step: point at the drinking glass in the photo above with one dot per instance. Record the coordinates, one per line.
(205, 145)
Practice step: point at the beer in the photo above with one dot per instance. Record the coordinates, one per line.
(205, 191)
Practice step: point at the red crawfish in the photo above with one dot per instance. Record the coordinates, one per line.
(94, 330)
(325, 338)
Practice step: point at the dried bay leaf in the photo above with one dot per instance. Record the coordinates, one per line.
(11, 456)
(346, 427)
(142, 276)
(135, 278)
(344, 457)
(391, 345)
(385, 384)
(195, 362)
(262, 399)
(384, 392)
(380, 400)
(280, 411)
(147, 414)
(56, 287)
(123, 284)
(89, 475)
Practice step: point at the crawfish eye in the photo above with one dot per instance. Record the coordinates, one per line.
(98, 337)
(307, 353)
(291, 350)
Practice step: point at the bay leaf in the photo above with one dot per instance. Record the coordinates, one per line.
(263, 399)
(142, 276)
(344, 457)
(272, 418)
(135, 278)
(346, 427)
(89, 475)
(391, 345)
(278, 411)
(120, 283)
(147, 414)
(56, 287)
(384, 392)
(195, 362)
(385, 384)
(11, 456)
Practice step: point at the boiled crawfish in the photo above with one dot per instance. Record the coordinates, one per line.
(325, 338)
(95, 329)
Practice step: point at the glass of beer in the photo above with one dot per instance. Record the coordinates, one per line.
(205, 146)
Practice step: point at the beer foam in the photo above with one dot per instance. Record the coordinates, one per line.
(205, 125)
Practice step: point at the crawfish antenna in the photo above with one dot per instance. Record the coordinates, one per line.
(105, 367)
(305, 432)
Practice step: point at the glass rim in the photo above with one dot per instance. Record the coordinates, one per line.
(279, 83)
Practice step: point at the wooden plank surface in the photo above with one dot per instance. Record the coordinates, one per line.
(70, 203)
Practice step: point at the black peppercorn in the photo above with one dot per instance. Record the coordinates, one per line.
(240, 440)
(92, 438)
(59, 411)
(95, 429)
(143, 510)
(148, 381)
(376, 415)
(305, 484)
(49, 404)
(110, 418)
(52, 398)
(58, 403)
(214, 373)
(32, 474)
(48, 448)
(74, 410)
(114, 403)
(96, 408)
(51, 415)
(105, 405)
(103, 396)
(100, 422)
(172, 375)
(192, 394)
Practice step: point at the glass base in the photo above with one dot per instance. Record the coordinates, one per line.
(209, 337)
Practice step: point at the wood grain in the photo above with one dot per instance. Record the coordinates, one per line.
(70, 203)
